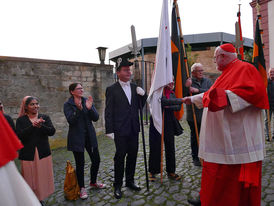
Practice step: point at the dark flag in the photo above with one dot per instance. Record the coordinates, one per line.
(241, 49)
(178, 60)
(258, 53)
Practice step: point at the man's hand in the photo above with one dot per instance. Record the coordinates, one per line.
(110, 135)
(194, 90)
(140, 91)
(188, 82)
(186, 100)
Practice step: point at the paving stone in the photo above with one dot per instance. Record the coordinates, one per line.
(159, 200)
(169, 192)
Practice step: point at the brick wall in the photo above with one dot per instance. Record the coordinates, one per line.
(49, 80)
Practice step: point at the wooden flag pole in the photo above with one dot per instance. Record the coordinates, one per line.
(162, 144)
(187, 72)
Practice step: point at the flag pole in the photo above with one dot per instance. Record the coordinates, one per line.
(144, 144)
(187, 71)
(162, 145)
(241, 46)
(259, 17)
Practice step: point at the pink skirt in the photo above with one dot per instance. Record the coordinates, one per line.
(39, 175)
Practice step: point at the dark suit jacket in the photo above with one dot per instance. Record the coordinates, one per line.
(32, 137)
(122, 118)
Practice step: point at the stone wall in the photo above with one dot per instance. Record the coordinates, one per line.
(49, 80)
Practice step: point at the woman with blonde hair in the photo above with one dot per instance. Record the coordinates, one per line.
(33, 130)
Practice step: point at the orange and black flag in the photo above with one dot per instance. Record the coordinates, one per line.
(178, 60)
(258, 53)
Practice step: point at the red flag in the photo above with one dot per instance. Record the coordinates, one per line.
(241, 49)
(10, 143)
(258, 53)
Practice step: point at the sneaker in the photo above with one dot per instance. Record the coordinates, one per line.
(97, 185)
(83, 193)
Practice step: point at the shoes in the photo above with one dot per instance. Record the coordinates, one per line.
(152, 177)
(118, 193)
(195, 202)
(197, 162)
(133, 186)
(97, 185)
(83, 193)
(174, 176)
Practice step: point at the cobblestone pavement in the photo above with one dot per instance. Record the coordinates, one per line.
(170, 192)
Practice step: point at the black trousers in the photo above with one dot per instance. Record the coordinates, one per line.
(155, 149)
(271, 111)
(126, 148)
(80, 164)
(193, 139)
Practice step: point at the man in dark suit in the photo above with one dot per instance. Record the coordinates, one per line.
(123, 99)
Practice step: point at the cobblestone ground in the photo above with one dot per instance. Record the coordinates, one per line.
(169, 193)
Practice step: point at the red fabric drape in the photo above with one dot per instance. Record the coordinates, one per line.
(244, 80)
(222, 184)
(10, 143)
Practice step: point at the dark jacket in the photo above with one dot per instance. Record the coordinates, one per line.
(80, 125)
(10, 121)
(203, 86)
(171, 124)
(33, 137)
(122, 118)
(270, 93)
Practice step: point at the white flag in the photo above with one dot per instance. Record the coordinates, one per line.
(163, 69)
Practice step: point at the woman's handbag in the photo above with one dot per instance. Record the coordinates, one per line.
(71, 187)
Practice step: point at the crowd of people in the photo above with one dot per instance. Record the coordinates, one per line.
(228, 124)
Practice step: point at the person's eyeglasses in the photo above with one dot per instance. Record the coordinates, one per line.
(200, 71)
(79, 88)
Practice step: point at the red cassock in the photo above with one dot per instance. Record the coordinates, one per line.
(231, 185)
(9, 142)
(242, 79)
(234, 184)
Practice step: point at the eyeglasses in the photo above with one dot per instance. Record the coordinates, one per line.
(200, 71)
(79, 88)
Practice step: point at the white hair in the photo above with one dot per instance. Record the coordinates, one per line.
(226, 59)
(195, 65)
(270, 69)
(228, 54)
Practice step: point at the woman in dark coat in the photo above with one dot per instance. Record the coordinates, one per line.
(80, 112)
(172, 127)
(33, 130)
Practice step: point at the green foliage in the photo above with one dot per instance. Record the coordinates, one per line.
(248, 55)
(191, 59)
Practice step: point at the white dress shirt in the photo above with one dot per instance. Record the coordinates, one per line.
(233, 135)
(126, 87)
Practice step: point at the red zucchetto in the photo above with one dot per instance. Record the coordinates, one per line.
(228, 48)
